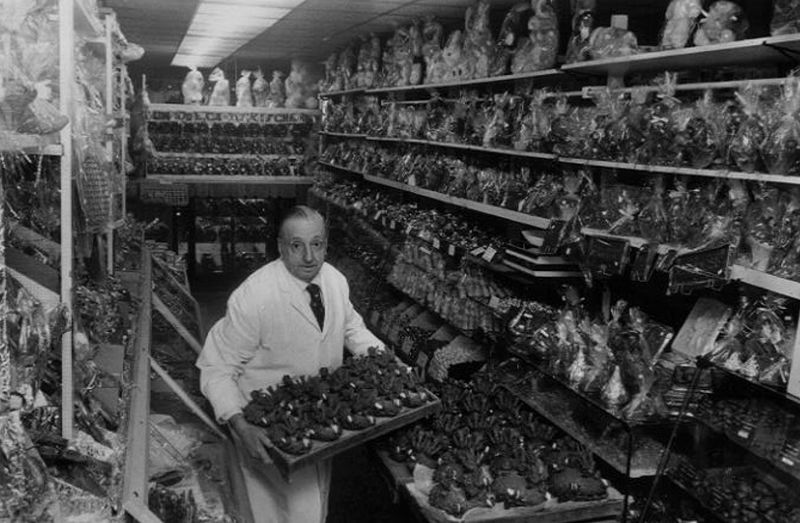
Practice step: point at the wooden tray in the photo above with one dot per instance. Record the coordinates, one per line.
(551, 511)
(321, 450)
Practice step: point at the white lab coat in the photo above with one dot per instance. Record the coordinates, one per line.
(270, 331)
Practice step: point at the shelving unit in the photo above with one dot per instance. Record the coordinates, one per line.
(546, 76)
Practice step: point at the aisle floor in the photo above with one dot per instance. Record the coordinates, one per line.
(360, 492)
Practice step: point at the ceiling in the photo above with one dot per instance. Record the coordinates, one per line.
(316, 28)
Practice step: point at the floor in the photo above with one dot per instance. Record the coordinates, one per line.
(360, 491)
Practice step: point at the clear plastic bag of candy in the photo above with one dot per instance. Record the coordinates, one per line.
(653, 216)
(780, 149)
(785, 17)
(751, 129)
(762, 219)
(701, 133)
(609, 132)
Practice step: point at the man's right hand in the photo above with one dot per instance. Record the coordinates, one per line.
(253, 437)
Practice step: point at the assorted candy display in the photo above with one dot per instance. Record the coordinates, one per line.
(318, 408)
(487, 448)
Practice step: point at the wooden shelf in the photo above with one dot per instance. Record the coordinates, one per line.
(343, 135)
(545, 75)
(467, 147)
(684, 171)
(183, 108)
(238, 179)
(766, 281)
(751, 51)
(227, 156)
(30, 143)
(344, 92)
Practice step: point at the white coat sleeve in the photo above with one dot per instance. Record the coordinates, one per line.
(357, 337)
(230, 344)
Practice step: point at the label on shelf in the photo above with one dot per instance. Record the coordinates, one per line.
(451, 250)
(489, 254)
(787, 461)
(743, 433)
(436, 244)
(477, 251)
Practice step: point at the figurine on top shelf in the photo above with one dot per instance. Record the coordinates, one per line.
(539, 50)
(785, 17)
(260, 89)
(610, 42)
(369, 56)
(244, 97)
(432, 34)
(453, 64)
(347, 67)
(192, 87)
(582, 26)
(478, 44)
(301, 87)
(277, 91)
(221, 94)
(680, 22)
(403, 59)
(725, 22)
(332, 82)
(514, 24)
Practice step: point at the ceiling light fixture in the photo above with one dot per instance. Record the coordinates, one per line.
(219, 28)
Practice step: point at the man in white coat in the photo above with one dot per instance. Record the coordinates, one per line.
(292, 316)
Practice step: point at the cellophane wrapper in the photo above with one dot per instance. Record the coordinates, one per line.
(785, 17)
(701, 133)
(609, 134)
(762, 220)
(785, 262)
(751, 132)
(780, 149)
(653, 217)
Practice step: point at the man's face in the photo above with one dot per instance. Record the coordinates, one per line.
(302, 245)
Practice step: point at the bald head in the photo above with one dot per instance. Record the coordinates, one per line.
(302, 242)
(300, 212)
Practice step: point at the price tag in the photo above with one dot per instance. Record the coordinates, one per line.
(436, 244)
(477, 252)
(392, 225)
(451, 250)
(743, 433)
(489, 254)
(787, 461)
(424, 250)
(494, 302)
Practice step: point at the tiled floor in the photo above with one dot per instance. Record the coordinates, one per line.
(359, 491)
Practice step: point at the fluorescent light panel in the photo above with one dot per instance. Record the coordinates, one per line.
(218, 29)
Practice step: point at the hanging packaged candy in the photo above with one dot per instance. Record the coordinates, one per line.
(609, 130)
(785, 17)
(762, 219)
(751, 129)
(582, 26)
(724, 21)
(701, 133)
(660, 128)
(780, 149)
(652, 219)
(680, 22)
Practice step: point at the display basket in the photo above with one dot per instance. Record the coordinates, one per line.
(287, 463)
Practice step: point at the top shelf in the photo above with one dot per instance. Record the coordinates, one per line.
(751, 51)
(182, 108)
(544, 75)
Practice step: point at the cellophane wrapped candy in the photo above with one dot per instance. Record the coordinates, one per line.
(610, 42)
(701, 133)
(780, 149)
(725, 205)
(785, 261)
(785, 17)
(681, 214)
(636, 121)
(627, 205)
(725, 21)
(680, 21)
(534, 127)
(659, 125)
(609, 130)
(653, 217)
(762, 220)
(751, 129)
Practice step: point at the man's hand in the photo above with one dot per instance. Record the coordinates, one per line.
(253, 438)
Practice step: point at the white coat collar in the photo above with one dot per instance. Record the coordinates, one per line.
(295, 289)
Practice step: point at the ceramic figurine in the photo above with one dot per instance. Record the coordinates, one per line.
(514, 24)
(244, 97)
(725, 22)
(260, 89)
(221, 95)
(192, 87)
(582, 25)
(478, 44)
(277, 91)
(432, 33)
(680, 21)
(538, 51)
